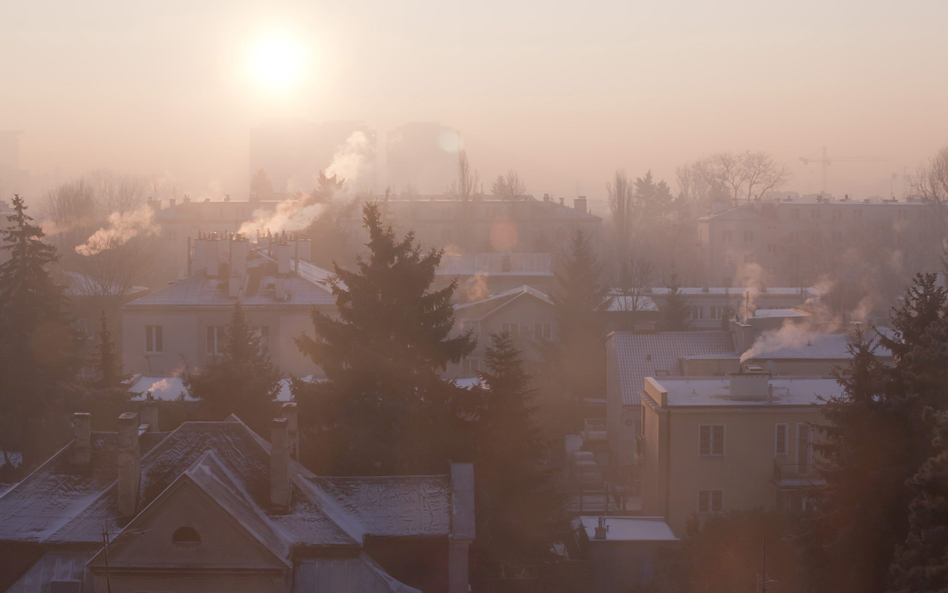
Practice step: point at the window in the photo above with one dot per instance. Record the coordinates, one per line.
(815, 214)
(445, 234)
(697, 313)
(748, 236)
(804, 449)
(857, 214)
(748, 258)
(837, 214)
(837, 236)
(263, 332)
(512, 329)
(771, 270)
(710, 501)
(903, 214)
(796, 214)
(780, 440)
(726, 237)
(717, 312)
(215, 340)
(711, 440)
(725, 281)
(86, 328)
(153, 341)
(185, 536)
(543, 331)
(771, 248)
(470, 366)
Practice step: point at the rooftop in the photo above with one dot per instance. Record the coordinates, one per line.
(629, 529)
(488, 305)
(786, 344)
(716, 392)
(642, 355)
(777, 313)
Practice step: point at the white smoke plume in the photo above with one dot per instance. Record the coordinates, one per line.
(299, 212)
(121, 227)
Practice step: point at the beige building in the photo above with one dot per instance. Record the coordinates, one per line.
(523, 312)
(182, 326)
(482, 274)
(792, 242)
(212, 506)
(712, 445)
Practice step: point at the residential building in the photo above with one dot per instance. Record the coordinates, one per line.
(212, 506)
(182, 326)
(633, 356)
(713, 445)
(804, 353)
(523, 312)
(484, 224)
(793, 242)
(483, 274)
(626, 552)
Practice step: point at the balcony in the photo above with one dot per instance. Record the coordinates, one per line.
(595, 429)
(796, 475)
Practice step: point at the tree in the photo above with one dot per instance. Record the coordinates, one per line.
(37, 343)
(622, 208)
(107, 358)
(242, 380)
(675, 308)
(576, 364)
(762, 174)
(466, 185)
(509, 186)
(260, 186)
(634, 283)
(931, 183)
(519, 510)
(921, 562)
(384, 407)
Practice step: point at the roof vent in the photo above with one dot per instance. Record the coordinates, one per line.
(750, 383)
(602, 529)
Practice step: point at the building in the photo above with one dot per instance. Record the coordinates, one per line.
(633, 356)
(212, 506)
(292, 153)
(422, 158)
(801, 353)
(791, 243)
(484, 225)
(626, 552)
(712, 445)
(182, 326)
(523, 312)
(483, 274)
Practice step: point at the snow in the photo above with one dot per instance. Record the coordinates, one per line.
(172, 388)
(629, 529)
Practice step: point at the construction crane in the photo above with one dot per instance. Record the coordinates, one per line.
(826, 162)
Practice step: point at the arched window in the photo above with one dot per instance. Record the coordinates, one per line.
(186, 536)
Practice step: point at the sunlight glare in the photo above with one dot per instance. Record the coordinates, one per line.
(277, 62)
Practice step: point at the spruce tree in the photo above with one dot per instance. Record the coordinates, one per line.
(921, 563)
(519, 510)
(37, 342)
(576, 365)
(675, 309)
(242, 381)
(385, 407)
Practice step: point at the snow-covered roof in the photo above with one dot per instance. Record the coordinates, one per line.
(642, 355)
(78, 284)
(172, 388)
(778, 313)
(62, 503)
(619, 303)
(629, 529)
(489, 305)
(715, 392)
(786, 345)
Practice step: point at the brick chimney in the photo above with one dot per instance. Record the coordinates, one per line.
(199, 259)
(213, 257)
(239, 249)
(292, 429)
(82, 432)
(149, 413)
(279, 464)
(602, 529)
(129, 465)
(284, 256)
(580, 204)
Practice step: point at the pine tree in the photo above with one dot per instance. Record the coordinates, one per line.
(576, 366)
(676, 309)
(37, 343)
(519, 511)
(921, 563)
(385, 407)
(242, 381)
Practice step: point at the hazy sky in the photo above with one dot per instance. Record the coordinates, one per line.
(564, 92)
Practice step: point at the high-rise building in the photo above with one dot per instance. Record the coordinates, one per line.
(422, 157)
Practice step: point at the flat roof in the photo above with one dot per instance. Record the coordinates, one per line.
(795, 391)
(629, 529)
(770, 313)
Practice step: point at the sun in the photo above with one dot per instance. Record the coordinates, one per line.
(277, 62)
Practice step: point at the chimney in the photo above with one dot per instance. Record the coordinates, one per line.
(154, 204)
(239, 249)
(546, 197)
(149, 413)
(562, 201)
(279, 464)
(580, 204)
(284, 255)
(602, 529)
(82, 432)
(199, 259)
(743, 335)
(279, 288)
(129, 465)
(292, 430)
(306, 250)
(213, 257)
(750, 383)
(171, 202)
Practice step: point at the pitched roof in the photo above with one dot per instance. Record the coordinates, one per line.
(641, 355)
(490, 304)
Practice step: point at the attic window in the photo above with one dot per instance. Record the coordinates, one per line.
(185, 536)
(661, 373)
